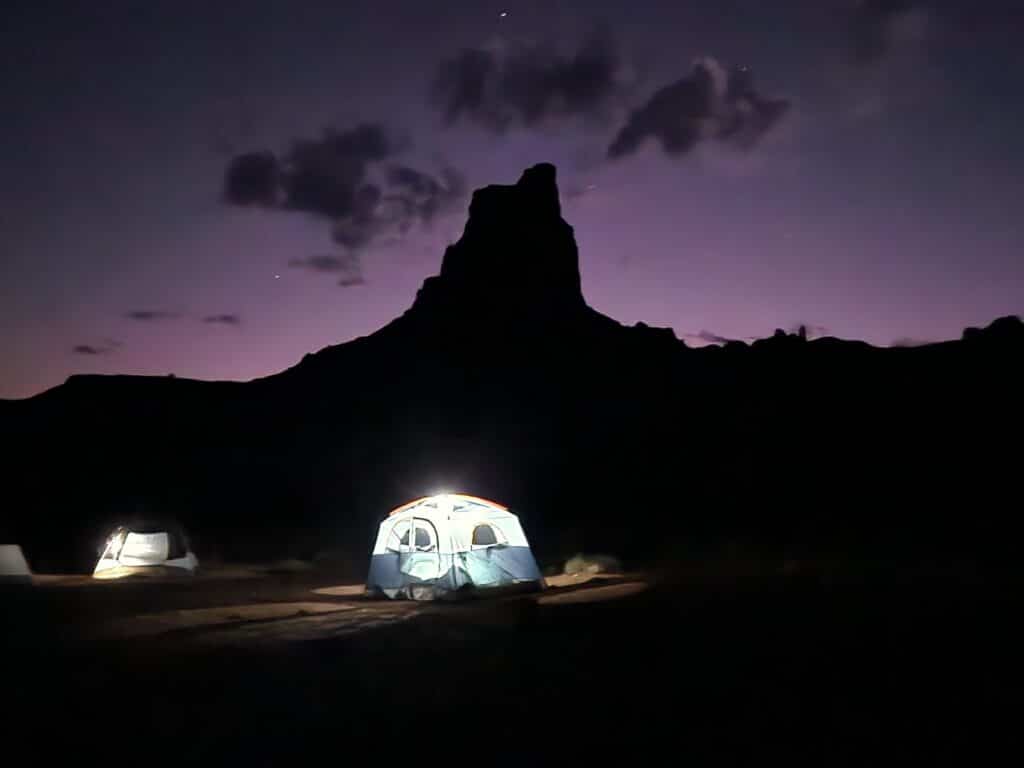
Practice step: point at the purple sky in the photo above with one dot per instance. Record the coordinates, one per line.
(883, 204)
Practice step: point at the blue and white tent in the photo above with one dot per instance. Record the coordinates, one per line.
(447, 545)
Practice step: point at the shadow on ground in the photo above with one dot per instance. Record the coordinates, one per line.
(743, 672)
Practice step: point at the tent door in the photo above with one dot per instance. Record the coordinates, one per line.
(419, 555)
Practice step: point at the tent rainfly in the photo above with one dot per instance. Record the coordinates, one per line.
(145, 544)
(13, 566)
(449, 545)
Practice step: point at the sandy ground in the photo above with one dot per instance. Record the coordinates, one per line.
(261, 604)
(594, 594)
(197, 618)
(272, 666)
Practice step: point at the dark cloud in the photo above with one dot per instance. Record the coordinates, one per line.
(107, 346)
(223, 319)
(526, 84)
(416, 182)
(341, 177)
(711, 103)
(347, 265)
(419, 196)
(326, 176)
(252, 179)
(405, 198)
(150, 315)
(876, 27)
(326, 263)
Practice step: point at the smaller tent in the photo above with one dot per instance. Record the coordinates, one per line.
(449, 545)
(13, 566)
(138, 546)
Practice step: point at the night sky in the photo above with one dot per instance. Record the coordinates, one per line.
(213, 193)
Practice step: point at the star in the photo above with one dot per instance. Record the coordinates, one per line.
(277, 277)
(503, 14)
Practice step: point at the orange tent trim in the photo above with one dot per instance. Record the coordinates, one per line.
(465, 496)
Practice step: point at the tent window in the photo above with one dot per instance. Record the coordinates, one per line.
(483, 536)
(398, 539)
(424, 537)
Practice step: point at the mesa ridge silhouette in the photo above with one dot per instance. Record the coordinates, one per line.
(501, 380)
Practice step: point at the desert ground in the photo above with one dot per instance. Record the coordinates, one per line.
(268, 665)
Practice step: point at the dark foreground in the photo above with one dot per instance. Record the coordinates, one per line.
(747, 670)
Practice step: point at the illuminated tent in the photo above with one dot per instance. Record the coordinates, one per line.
(145, 544)
(448, 545)
(13, 567)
